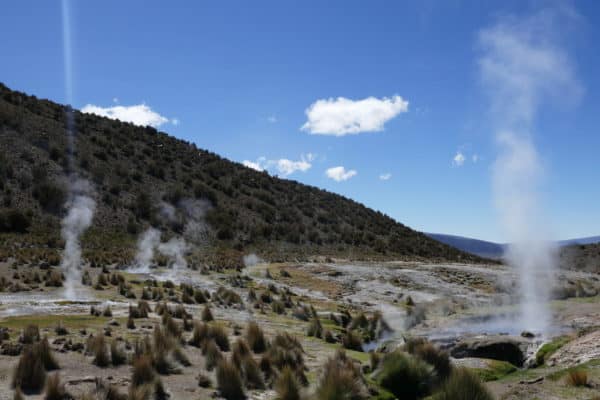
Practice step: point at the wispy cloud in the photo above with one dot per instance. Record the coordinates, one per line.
(139, 114)
(340, 173)
(272, 119)
(255, 165)
(385, 177)
(282, 166)
(342, 116)
(459, 159)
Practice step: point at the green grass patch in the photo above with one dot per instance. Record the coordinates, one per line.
(495, 370)
(550, 348)
(50, 321)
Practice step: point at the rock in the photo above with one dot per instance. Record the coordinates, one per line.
(527, 334)
(11, 349)
(577, 351)
(532, 381)
(498, 347)
(113, 322)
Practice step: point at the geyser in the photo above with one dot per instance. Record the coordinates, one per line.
(79, 217)
(523, 66)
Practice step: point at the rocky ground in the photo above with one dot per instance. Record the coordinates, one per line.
(467, 310)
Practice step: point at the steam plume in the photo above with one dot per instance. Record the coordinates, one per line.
(175, 249)
(522, 66)
(78, 219)
(147, 243)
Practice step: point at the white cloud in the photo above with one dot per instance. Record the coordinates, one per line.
(342, 116)
(175, 121)
(253, 164)
(287, 167)
(139, 114)
(385, 177)
(340, 173)
(475, 158)
(459, 159)
(272, 119)
(282, 166)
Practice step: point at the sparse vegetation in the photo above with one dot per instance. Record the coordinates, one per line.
(55, 390)
(229, 381)
(30, 374)
(463, 385)
(577, 377)
(255, 337)
(342, 379)
(405, 376)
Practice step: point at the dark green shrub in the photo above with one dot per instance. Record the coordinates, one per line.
(404, 376)
(463, 385)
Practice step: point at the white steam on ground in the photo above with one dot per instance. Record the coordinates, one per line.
(250, 260)
(190, 213)
(146, 247)
(79, 217)
(523, 66)
(175, 249)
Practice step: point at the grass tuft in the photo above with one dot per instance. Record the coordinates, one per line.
(463, 385)
(229, 381)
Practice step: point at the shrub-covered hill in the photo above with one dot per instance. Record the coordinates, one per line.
(135, 172)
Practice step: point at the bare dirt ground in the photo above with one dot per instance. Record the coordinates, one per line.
(446, 303)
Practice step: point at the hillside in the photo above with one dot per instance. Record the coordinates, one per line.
(481, 248)
(137, 171)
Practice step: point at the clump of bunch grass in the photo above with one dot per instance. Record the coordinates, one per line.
(341, 379)
(315, 329)
(207, 314)
(463, 385)
(229, 381)
(212, 354)
(255, 337)
(97, 346)
(405, 376)
(55, 390)
(45, 352)
(143, 371)
(577, 377)
(29, 374)
(30, 335)
(284, 351)
(286, 386)
(426, 351)
(117, 355)
(352, 341)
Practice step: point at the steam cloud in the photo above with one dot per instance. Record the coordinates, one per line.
(79, 217)
(195, 230)
(146, 246)
(175, 249)
(522, 66)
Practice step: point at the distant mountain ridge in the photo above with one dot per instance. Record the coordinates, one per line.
(494, 250)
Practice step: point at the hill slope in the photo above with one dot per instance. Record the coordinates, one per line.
(137, 172)
(481, 248)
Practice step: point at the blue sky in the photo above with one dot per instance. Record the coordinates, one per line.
(237, 78)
